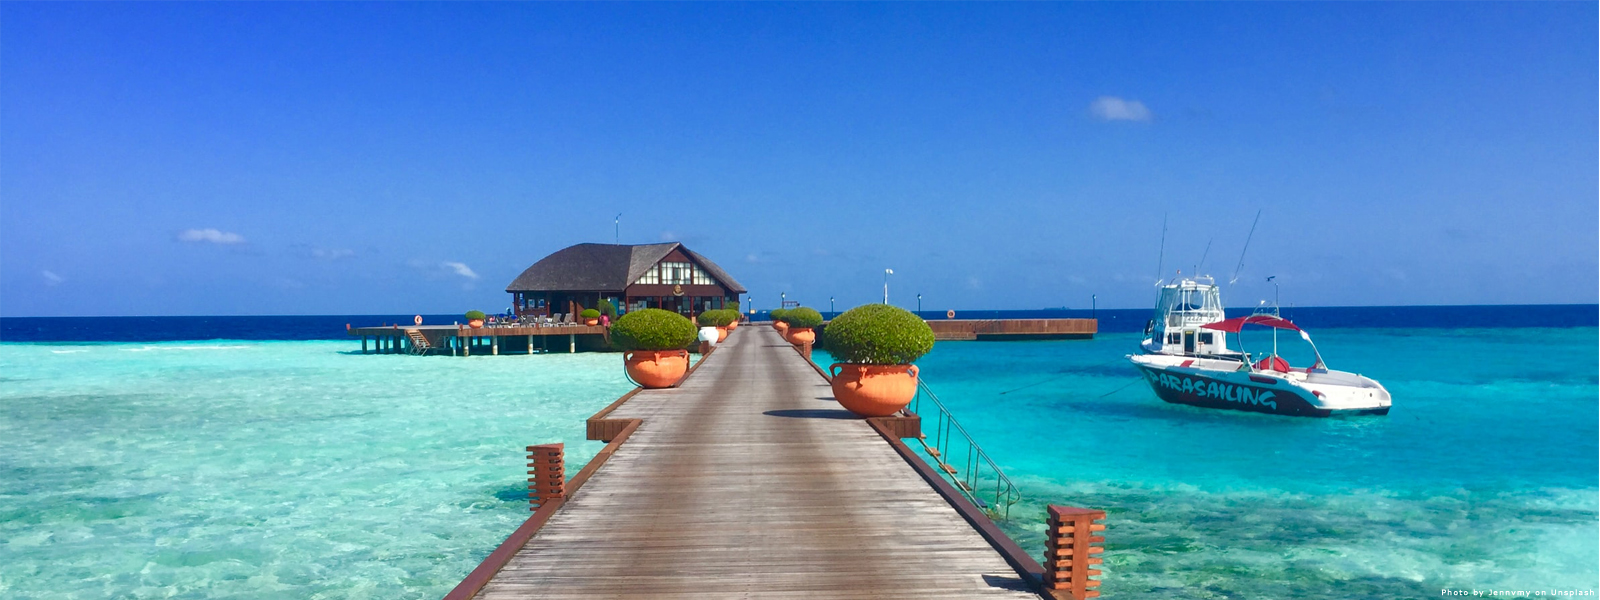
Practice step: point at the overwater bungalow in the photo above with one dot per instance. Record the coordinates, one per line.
(667, 276)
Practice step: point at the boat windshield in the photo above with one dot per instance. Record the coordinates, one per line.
(1188, 303)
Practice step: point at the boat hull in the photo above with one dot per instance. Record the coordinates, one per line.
(1240, 391)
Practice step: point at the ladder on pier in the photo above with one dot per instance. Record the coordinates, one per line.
(419, 342)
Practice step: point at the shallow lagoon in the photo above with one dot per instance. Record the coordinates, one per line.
(271, 469)
(299, 469)
(1483, 475)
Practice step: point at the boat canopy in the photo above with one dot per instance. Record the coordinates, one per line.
(1235, 324)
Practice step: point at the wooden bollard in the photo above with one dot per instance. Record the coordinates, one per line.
(805, 349)
(1071, 547)
(547, 474)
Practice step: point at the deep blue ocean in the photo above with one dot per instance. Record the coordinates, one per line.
(266, 457)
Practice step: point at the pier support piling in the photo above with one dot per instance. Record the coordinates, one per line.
(1070, 549)
(547, 474)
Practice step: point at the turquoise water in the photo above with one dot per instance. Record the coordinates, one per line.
(1483, 476)
(271, 469)
(256, 469)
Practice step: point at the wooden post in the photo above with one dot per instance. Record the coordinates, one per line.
(805, 350)
(547, 474)
(1069, 544)
(363, 344)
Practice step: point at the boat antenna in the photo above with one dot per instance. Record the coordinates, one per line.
(1161, 258)
(1203, 256)
(1252, 234)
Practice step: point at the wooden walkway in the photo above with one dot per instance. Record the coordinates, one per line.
(749, 481)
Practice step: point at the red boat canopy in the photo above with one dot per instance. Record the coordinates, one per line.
(1235, 324)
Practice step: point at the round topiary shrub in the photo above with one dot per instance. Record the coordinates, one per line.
(878, 334)
(608, 309)
(652, 329)
(802, 318)
(711, 318)
(777, 313)
(589, 313)
(476, 315)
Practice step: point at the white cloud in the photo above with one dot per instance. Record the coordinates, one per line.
(52, 278)
(443, 268)
(210, 235)
(1112, 108)
(332, 253)
(460, 269)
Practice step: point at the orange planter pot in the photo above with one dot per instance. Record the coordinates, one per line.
(654, 369)
(732, 326)
(780, 326)
(475, 323)
(801, 336)
(591, 322)
(874, 390)
(722, 334)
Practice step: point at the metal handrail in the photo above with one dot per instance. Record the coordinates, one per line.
(969, 479)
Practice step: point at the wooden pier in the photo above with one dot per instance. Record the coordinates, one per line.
(749, 481)
(460, 340)
(1013, 329)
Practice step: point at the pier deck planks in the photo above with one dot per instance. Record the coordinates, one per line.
(749, 481)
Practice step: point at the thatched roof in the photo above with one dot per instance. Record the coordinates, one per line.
(606, 267)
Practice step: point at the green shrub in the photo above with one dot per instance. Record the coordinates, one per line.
(878, 334)
(476, 315)
(589, 313)
(713, 318)
(724, 316)
(652, 329)
(777, 313)
(608, 309)
(802, 318)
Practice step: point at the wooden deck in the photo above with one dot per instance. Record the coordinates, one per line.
(749, 481)
(1013, 329)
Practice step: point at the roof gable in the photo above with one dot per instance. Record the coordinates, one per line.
(605, 267)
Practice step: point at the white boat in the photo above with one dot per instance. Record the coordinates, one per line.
(1187, 360)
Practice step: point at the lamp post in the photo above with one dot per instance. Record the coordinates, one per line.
(1275, 312)
(830, 305)
(919, 305)
(1094, 306)
(886, 274)
(783, 299)
(616, 228)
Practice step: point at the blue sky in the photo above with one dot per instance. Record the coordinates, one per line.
(291, 158)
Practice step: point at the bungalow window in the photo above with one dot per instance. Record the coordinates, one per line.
(676, 273)
(651, 276)
(701, 277)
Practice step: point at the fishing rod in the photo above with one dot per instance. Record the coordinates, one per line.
(1161, 258)
(1247, 238)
